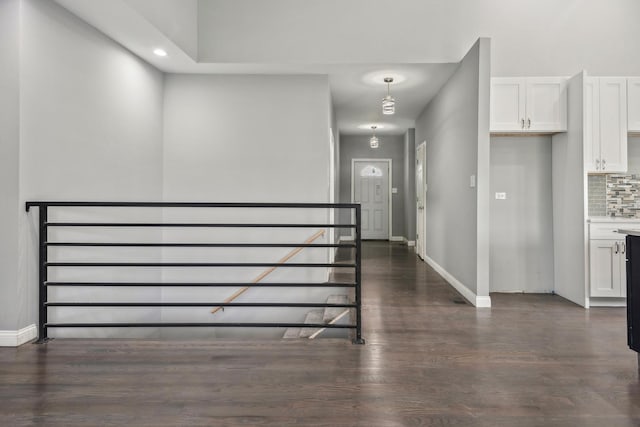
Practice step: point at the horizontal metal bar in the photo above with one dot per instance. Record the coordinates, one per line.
(208, 245)
(216, 325)
(210, 285)
(195, 264)
(192, 225)
(196, 304)
(193, 205)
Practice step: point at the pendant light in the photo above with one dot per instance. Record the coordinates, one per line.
(388, 103)
(373, 141)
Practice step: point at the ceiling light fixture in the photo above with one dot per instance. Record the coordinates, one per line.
(388, 103)
(373, 141)
(160, 52)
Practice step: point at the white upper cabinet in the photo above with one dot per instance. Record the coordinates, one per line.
(633, 92)
(605, 124)
(507, 104)
(528, 104)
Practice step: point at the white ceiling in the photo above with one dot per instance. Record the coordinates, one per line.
(357, 89)
(357, 92)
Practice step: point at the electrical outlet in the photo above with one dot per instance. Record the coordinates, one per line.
(501, 196)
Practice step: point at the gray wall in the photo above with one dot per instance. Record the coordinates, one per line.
(410, 184)
(9, 155)
(391, 147)
(91, 129)
(455, 126)
(521, 251)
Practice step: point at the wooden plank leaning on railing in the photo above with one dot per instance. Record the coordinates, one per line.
(270, 270)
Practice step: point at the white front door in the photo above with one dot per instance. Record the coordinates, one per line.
(371, 189)
(421, 195)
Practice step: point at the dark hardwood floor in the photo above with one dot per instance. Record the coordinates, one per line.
(531, 360)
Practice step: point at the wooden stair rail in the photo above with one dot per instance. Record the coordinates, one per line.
(270, 270)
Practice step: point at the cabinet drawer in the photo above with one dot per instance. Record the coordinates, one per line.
(607, 231)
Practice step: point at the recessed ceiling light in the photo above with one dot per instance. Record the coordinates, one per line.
(370, 125)
(160, 52)
(377, 77)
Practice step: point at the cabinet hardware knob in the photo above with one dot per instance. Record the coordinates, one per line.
(617, 248)
(597, 164)
(604, 162)
(624, 247)
(522, 123)
(528, 123)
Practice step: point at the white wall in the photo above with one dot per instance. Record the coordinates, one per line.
(234, 138)
(522, 225)
(569, 200)
(10, 209)
(91, 129)
(543, 37)
(246, 138)
(455, 125)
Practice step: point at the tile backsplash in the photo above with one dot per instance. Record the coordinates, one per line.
(623, 195)
(616, 195)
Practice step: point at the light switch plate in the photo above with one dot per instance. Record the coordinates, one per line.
(501, 196)
(394, 190)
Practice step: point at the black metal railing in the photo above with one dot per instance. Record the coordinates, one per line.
(44, 265)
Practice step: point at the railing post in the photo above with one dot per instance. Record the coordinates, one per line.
(42, 274)
(358, 237)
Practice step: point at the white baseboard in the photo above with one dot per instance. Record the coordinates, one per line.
(345, 239)
(17, 338)
(468, 294)
(607, 302)
(411, 242)
(396, 239)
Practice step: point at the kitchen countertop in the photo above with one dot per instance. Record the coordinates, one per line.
(595, 219)
(629, 231)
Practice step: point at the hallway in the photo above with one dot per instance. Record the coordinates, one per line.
(430, 359)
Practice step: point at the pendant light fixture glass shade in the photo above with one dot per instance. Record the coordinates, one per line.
(388, 103)
(373, 141)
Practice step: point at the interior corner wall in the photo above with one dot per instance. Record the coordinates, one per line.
(410, 184)
(9, 161)
(391, 147)
(450, 125)
(90, 128)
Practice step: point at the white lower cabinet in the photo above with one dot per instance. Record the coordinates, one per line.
(607, 267)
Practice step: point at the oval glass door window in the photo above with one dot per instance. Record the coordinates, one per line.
(371, 171)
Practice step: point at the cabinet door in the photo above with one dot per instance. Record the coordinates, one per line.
(613, 124)
(604, 256)
(546, 104)
(507, 104)
(633, 101)
(591, 108)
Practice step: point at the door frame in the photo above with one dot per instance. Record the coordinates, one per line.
(422, 218)
(353, 188)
